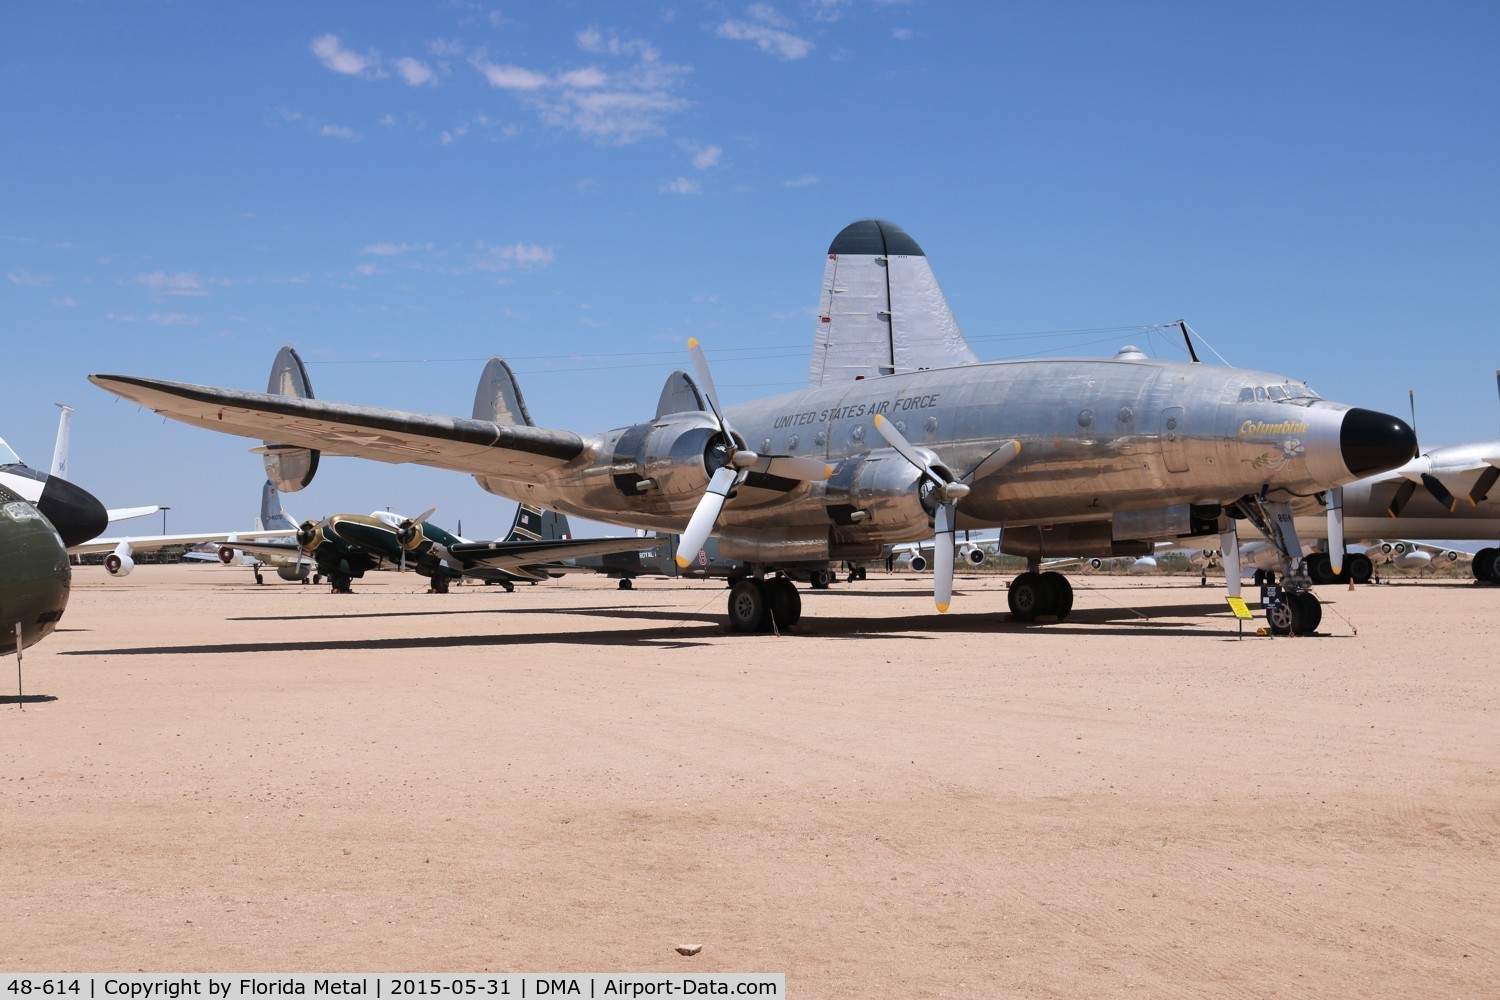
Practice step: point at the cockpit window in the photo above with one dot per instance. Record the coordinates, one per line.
(1279, 393)
(8, 457)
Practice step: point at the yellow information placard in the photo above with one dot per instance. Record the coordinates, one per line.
(1240, 609)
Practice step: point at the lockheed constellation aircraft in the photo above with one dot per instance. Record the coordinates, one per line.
(900, 434)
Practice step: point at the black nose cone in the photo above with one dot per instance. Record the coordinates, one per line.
(1374, 442)
(76, 514)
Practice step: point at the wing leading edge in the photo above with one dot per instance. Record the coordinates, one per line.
(477, 447)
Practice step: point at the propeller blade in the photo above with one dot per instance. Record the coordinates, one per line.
(705, 377)
(1229, 543)
(701, 525)
(1403, 494)
(804, 470)
(998, 460)
(425, 515)
(1439, 491)
(1336, 529)
(942, 558)
(898, 441)
(1481, 490)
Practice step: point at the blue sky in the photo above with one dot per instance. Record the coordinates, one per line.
(402, 190)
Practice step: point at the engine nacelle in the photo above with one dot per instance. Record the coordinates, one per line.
(886, 492)
(972, 554)
(1143, 565)
(226, 554)
(118, 562)
(671, 457)
(294, 574)
(918, 562)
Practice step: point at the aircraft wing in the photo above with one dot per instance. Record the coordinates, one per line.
(273, 549)
(477, 447)
(129, 513)
(145, 543)
(543, 552)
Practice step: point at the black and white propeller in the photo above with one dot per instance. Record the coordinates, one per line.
(740, 462)
(949, 492)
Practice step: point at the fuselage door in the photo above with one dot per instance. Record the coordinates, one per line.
(1173, 429)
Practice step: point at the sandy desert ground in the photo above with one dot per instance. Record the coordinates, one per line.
(206, 775)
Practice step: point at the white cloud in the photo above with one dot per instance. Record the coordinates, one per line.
(584, 79)
(24, 277)
(522, 256)
(393, 249)
(172, 319)
(903, 34)
(414, 71)
(806, 180)
(704, 157)
(765, 32)
(510, 77)
(332, 54)
(368, 270)
(340, 132)
(681, 185)
(173, 283)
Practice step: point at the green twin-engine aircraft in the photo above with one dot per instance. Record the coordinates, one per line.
(900, 435)
(344, 547)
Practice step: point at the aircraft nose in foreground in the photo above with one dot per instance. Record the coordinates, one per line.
(1372, 442)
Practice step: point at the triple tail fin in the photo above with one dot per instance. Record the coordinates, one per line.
(881, 311)
(288, 466)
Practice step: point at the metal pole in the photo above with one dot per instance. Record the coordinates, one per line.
(164, 519)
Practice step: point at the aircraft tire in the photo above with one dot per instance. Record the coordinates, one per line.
(1060, 596)
(1320, 568)
(820, 579)
(341, 583)
(625, 584)
(1300, 614)
(784, 603)
(747, 606)
(1026, 596)
(439, 584)
(1483, 565)
(1360, 568)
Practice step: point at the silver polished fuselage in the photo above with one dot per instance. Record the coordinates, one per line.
(1098, 438)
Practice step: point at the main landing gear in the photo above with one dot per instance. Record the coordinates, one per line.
(763, 605)
(1036, 595)
(1298, 614)
(1486, 565)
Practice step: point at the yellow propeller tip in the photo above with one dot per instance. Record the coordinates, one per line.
(942, 609)
(879, 420)
(692, 342)
(681, 562)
